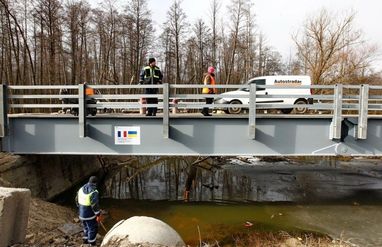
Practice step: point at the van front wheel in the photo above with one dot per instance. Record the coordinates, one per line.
(234, 110)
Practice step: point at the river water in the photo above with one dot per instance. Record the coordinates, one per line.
(340, 198)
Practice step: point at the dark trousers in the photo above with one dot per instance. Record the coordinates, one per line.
(206, 109)
(152, 111)
(90, 230)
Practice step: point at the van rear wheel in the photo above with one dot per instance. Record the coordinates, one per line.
(300, 109)
(234, 110)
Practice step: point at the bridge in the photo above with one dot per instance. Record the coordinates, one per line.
(339, 120)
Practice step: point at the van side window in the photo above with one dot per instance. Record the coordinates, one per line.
(260, 82)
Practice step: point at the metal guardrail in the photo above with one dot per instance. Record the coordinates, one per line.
(337, 100)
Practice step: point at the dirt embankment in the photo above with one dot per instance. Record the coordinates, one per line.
(45, 221)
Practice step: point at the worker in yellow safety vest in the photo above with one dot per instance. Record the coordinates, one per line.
(209, 79)
(87, 201)
(151, 75)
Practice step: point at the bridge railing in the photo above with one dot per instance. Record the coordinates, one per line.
(31, 99)
(337, 100)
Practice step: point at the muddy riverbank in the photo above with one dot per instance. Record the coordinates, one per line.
(46, 220)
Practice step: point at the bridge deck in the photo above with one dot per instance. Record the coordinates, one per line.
(190, 115)
(334, 132)
(189, 135)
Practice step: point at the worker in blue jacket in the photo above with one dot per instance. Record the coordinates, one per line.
(87, 200)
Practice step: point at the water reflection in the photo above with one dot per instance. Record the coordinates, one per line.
(341, 198)
(245, 179)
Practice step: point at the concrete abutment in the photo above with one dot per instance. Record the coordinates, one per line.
(14, 212)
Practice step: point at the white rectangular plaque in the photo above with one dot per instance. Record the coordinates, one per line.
(127, 135)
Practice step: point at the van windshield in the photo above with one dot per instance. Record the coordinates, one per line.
(259, 82)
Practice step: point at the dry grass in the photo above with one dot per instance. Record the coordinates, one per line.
(280, 239)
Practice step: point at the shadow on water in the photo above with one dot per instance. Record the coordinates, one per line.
(249, 180)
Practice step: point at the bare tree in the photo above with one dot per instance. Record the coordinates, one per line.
(202, 34)
(73, 21)
(238, 9)
(215, 8)
(166, 42)
(141, 33)
(249, 44)
(42, 41)
(176, 23)
(106, 24)
(329, 48)
(50, 18)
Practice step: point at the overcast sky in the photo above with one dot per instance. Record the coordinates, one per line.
(279, 19)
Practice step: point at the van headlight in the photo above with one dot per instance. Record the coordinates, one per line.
(220, 101)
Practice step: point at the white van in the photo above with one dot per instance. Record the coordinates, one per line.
(280, 82)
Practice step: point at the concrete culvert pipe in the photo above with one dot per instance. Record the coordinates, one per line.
(142, 231)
